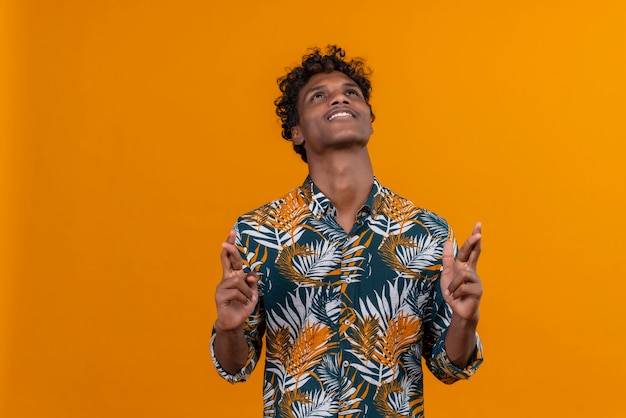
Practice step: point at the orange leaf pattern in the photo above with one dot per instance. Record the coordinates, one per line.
(347, 317)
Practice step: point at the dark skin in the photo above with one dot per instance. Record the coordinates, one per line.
(235, 298)
(335, 128)
(462, 290)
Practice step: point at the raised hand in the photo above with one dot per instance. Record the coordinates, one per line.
(237, 294)
(461, 286)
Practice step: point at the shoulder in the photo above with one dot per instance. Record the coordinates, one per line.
(436, 225)
(292, 198)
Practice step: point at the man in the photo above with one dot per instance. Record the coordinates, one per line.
(350, 283)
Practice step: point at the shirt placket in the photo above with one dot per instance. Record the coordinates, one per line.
(348, 297)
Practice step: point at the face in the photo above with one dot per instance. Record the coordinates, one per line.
(333, 114)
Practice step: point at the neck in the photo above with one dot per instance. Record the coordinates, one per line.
(346, 179)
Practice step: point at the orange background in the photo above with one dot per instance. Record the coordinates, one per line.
(136, 131)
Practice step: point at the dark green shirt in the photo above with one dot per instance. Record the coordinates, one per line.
(347, 316)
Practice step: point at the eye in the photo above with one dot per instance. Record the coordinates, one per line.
(317, 96)
(352, 92)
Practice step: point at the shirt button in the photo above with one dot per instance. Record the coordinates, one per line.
(345, 363)
(348, 280)
(346, 322)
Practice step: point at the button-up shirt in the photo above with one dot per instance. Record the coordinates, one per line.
(347, 317)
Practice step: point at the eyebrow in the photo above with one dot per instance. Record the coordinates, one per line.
(325, 86)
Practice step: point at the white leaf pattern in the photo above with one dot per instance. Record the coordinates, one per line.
(323, 260)
(341, 289)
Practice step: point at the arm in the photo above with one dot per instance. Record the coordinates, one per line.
(462, 290)
(236, 297)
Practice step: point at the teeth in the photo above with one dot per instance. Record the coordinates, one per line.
(334, 115)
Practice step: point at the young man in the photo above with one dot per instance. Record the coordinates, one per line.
(350, 283)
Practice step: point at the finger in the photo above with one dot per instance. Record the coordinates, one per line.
(447, 264)
(252, 278)
(468, 247)
(477, 248)
(231, 258)
(457, 280)
(225, 255)
(463, 275)
(232, 236)
(238, 284)
(226, 265)
(252, 282)
(477, 228)
(225, 296)
(473, 257)
(447, 257)
(467, 289)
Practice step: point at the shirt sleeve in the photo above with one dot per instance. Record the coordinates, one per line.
(436, 322)
(245, 372)
(447, 372)
(254, 328)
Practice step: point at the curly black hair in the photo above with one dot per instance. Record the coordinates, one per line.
(314, 63)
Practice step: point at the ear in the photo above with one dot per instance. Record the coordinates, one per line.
(296, 135)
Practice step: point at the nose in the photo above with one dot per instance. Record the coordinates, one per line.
(340, 98)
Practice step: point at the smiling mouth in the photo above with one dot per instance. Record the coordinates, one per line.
(340, 115)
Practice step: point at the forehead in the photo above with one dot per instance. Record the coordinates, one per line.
(327, 79)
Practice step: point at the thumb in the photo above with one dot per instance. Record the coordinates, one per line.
(447, 256)
(447, 259)
(252, 281)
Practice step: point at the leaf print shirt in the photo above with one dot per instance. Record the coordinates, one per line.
(347, 317)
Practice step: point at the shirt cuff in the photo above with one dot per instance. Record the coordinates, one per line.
(452, 372)
(243, 374)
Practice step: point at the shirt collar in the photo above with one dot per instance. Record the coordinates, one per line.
(320, 205)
